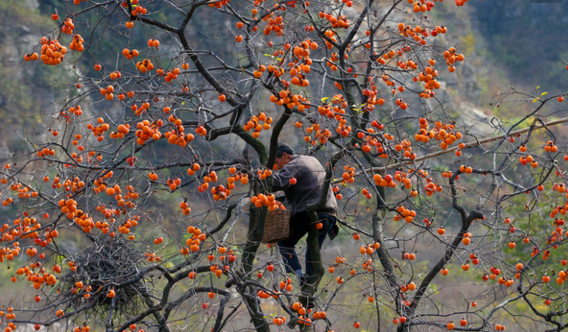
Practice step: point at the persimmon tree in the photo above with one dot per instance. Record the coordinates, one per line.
(128, 214)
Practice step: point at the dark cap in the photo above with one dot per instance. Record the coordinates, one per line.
(283, 147)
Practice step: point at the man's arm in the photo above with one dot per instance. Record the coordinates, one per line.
(281, 179)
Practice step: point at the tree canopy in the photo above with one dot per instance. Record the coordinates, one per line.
(142, 206)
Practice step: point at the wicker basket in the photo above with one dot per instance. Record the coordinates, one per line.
(276, 226)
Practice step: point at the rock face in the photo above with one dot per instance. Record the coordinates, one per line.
(20, 99)
(462, 93)
(28, 99)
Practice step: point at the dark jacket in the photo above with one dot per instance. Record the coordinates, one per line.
(310, 176)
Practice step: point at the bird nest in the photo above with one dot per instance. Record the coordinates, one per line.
(108, 264)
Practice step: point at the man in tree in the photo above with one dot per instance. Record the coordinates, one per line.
(302, 178)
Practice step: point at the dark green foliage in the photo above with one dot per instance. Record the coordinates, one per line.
(526, 38)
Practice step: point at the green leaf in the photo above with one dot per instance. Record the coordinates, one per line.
(440, 169)
(433, 287)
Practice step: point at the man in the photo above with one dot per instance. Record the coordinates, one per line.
(302, 178)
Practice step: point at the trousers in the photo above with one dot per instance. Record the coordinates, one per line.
(299, 226)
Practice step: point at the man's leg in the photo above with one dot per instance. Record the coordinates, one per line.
(298, 228)
(289, 256)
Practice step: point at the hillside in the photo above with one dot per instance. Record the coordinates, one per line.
(526, 40)
(467, 96)
(20, 95)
